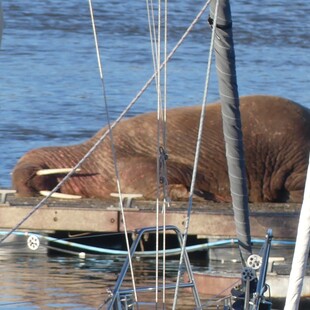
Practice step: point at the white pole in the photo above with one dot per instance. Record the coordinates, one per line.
(301, 251)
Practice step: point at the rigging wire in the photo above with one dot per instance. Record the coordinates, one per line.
(158, 75)
(163, 178)
(197, 152)
(163, 157)
(152, 29)
(161, 173)
(161, 113)
(155, 47)
(102, 138)
(113, 149)
(161, 123)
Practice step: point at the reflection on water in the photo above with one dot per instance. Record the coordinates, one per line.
(34, 280)
(38, 280)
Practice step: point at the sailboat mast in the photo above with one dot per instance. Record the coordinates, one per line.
(228, 89)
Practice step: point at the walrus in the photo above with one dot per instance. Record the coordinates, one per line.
(276, 136)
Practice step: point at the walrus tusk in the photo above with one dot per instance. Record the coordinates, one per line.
(60, 195)
(55, 171)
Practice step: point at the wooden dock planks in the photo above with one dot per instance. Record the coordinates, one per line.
(207, 220)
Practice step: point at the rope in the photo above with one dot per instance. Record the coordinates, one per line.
(190, 202)
(175, 251)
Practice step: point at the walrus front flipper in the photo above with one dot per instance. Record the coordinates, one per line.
(139, 174)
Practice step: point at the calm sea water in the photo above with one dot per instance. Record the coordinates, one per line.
(50, 94)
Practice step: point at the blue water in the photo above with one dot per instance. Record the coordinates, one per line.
(50, 88)
(51, 94)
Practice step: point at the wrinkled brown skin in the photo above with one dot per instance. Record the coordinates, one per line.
(276, 135)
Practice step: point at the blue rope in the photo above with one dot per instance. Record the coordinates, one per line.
(192, 248)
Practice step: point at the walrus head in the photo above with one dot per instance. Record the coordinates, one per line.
(29, 180)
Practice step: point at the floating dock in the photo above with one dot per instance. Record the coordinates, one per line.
(92, 215)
